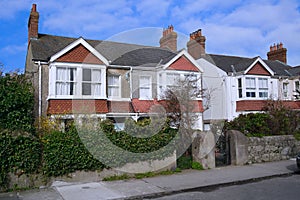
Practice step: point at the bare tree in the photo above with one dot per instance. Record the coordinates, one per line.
(183, 103)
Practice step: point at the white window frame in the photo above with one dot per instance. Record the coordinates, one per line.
(253, 87)
(118, 86)
(92, 82)
(79, 70)
(250, 87)
(65, 82)
(263, 88)
(164, 83)
(285, 90)
(147, 86)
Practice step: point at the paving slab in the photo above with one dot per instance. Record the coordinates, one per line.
(90, 191)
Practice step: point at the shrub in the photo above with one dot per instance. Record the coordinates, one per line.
(252, 124)
(20, 153)
(65, 153)
(16, 103)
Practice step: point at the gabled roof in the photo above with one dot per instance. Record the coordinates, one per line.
(240, 64)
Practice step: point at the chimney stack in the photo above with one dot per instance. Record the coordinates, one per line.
(169, 38)
(196, 45)
(277, 52)
(33, 23)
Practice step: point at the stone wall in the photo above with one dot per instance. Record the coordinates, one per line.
(272, 148)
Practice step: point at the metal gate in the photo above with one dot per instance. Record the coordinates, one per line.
(222, 150)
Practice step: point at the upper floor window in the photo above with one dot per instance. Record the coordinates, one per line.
(263, 87)
(78, 81)
(172, 80)
(240, 88)
(297, 85)
(250, 87)
(145, 87)
(285, 90)
(113, 86)
(255, 87)
(91, 82)
(65, 81)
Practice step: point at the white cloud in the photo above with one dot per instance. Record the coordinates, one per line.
(14, 49)
(8, 9)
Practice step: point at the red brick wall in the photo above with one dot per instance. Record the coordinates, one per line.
(257, 105)
(119, 107)
(69, 106)
(184, 64)
(144, 106)
(258, 69)
(79, 54)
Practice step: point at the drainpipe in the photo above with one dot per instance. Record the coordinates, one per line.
(40, 91)
(130, 83)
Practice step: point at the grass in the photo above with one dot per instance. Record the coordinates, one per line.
(141, 175)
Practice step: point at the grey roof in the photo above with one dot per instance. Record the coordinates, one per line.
(117, 53)
(295, 71)
(145, 57)
(240, 64)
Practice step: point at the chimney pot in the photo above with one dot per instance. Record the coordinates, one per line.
(196, 45)
(169, 38)
(33, 9)
(277, 52)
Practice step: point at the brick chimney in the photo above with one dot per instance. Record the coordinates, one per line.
(196, 45)
(169, 39)
(277, 52)
(33, 23)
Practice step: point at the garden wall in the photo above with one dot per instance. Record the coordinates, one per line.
(272, 148)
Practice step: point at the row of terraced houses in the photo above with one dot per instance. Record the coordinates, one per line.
(121, 80)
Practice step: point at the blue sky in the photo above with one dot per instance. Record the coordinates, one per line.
(232, 27)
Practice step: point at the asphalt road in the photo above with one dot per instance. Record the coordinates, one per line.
(279, 188)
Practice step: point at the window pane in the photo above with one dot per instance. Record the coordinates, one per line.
(250, 83)
(96, 76)
(263, 83)
(86, 88)
(65, 81)
(113, 86)
(86, 75)
(97, 89)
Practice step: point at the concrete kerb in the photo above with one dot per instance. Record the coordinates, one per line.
(210, 187)
(187, 181)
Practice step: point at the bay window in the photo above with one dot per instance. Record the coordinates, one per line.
(72, 80)
(253, 87)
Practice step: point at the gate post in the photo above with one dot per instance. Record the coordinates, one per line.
(238, 147)
(203, 149)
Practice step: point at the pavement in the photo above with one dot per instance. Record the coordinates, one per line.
(188, 180)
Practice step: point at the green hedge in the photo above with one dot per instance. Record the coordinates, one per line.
(16, 103)
(20, 153)
(64, 153)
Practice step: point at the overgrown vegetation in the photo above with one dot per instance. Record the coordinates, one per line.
(16, 102)
(20, 154)
(277, 119)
